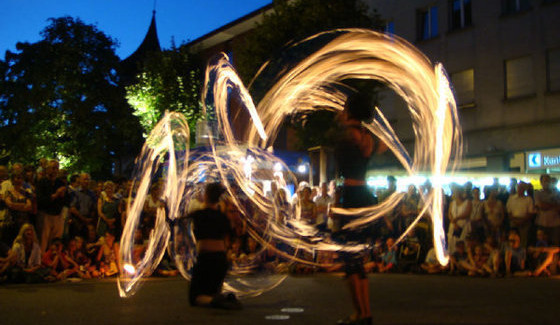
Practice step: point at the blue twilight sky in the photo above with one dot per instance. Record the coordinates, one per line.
(127, 21)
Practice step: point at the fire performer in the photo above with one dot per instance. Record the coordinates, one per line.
(211, 229)
(353, 151)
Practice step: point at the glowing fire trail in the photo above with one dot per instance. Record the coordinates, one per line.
(352, 54)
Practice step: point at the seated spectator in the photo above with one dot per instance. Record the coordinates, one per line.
(92, 243)
(459, 260)
(25, 257)
(272, 262)
(107, 257)
(377, 252)
(77, 252)
(329, 263)
(515, 256)
(410, 253)
(389, 257)
(139, 247)
(4, 261)
(61, 266)
(492, 266)
(478, 261)
(166, 267)
(431, 264)
(542, 255)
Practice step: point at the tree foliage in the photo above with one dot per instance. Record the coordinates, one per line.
(292, 21)
(271, 40)
(170, 80)
(60, 98)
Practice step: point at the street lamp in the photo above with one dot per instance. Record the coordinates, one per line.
(303, 168)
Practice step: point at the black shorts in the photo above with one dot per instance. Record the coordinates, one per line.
(355, 197)
(208, 275)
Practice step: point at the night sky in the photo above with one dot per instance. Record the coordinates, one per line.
(127, 21)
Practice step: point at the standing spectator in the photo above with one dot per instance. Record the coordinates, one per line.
(478, 222)
(51, 198)
(409, 207)
(520, 210)
(547, 202)
(83, 207)
(494, 213)
(19, 206)
(323, 201)
(307, 210)
(458, 214)
(108, 211)
(42, 169)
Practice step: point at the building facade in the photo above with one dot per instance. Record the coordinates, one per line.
(503, 59)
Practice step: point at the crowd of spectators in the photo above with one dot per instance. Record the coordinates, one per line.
(55, 226)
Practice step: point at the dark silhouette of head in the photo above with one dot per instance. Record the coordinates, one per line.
(213, 191)
(359, 106)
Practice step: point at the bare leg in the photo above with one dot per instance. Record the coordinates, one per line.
(364, 301)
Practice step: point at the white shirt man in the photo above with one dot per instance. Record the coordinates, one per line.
(323, 201)
(520, 209)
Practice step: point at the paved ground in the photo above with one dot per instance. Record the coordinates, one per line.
(318, 299)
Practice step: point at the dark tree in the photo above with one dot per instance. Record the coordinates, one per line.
(60, 98)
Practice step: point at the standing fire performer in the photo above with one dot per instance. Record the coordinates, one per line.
(354, 148)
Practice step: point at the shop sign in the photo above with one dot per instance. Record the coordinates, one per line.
(543, 159)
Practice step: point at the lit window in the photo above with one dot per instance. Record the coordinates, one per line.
(463, 85)
(514, 6)
(390, 27)
(553, 69)
(460, 14)
(428, 23)
(519, 77)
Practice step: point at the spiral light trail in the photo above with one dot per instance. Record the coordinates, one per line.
(243, 164)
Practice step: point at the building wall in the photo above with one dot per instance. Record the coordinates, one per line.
(495, 125)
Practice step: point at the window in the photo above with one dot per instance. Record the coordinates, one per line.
(427, 23)
(514, 6)
(390, 27)
(553, 69)
(460, 14)
(519, 77)
(463, 85)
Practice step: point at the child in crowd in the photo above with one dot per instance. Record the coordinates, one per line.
(56, 259)
(515, 256)
(107, 257)
(431, 264)
(459, 260)
(389, 257)
(541, 255)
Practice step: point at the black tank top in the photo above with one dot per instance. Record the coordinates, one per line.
(210, 224)
(351, 162)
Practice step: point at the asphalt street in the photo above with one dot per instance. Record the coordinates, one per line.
(314, 299)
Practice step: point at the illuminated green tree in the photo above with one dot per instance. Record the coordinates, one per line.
(171, 80)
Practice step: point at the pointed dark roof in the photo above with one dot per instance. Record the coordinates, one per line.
(131, 65)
